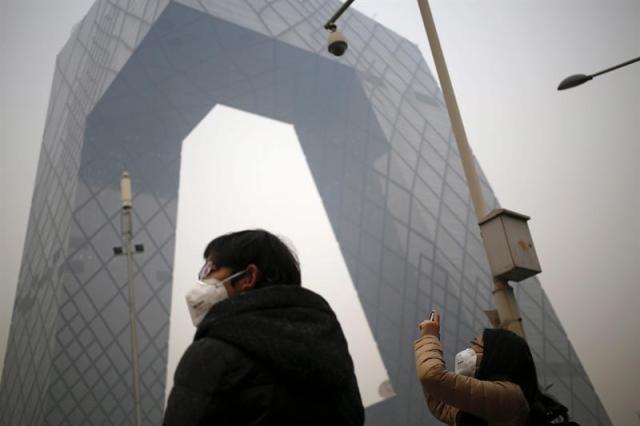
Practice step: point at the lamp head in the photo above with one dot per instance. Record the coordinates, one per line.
(573, 81)
(125, 190)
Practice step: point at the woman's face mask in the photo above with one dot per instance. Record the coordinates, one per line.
(204, 294)
(466, 362)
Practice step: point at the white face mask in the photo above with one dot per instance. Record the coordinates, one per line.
(466, 362)
(204, 294)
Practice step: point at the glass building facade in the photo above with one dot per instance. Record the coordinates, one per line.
(131, 83)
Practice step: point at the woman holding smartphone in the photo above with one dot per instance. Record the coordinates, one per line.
(494, 382)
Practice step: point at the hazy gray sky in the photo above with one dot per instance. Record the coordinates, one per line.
(567, 159)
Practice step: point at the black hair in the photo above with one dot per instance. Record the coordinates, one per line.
(276, 263)
(507, 357)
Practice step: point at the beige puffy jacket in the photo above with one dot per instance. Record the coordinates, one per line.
(499, 403)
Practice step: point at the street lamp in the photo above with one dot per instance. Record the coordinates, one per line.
(578, 79)
(129, 248)
(504, 233)
(496, 226)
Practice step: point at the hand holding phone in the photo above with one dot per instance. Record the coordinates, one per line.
(431, 327)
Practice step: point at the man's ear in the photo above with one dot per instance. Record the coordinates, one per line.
(248, 281)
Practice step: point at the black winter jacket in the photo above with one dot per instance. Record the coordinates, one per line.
(271, 356)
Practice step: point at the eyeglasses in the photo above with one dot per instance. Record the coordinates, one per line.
(206, 270)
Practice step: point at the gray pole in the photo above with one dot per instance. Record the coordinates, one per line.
(502, 293)
(127, 235)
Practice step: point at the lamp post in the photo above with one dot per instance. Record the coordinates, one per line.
(578, 79)
(504, 233)
(508, 314)
(128, 249)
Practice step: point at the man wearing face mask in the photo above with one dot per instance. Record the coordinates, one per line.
(494, 383)
(266, 350)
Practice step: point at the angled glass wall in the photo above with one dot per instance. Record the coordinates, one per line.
(131, 83)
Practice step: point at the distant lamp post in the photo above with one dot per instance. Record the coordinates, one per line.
(578, 79)
(129, 249)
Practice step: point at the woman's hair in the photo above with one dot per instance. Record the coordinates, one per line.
(507, 357)
(276, 263)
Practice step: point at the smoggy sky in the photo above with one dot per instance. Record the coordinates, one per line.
(567, 159)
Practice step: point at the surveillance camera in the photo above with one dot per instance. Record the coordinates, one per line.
(336, 44)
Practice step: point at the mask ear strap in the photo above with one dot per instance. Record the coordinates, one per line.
(232, 276)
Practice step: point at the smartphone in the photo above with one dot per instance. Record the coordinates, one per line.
(432, 317)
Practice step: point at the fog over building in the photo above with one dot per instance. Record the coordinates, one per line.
(130, 85)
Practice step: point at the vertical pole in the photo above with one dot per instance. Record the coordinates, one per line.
(503, 293)
(127, 234)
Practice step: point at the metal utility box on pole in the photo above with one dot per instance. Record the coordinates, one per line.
(506, 236)
(508, 314)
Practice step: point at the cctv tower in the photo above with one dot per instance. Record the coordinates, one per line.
(131, 83)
